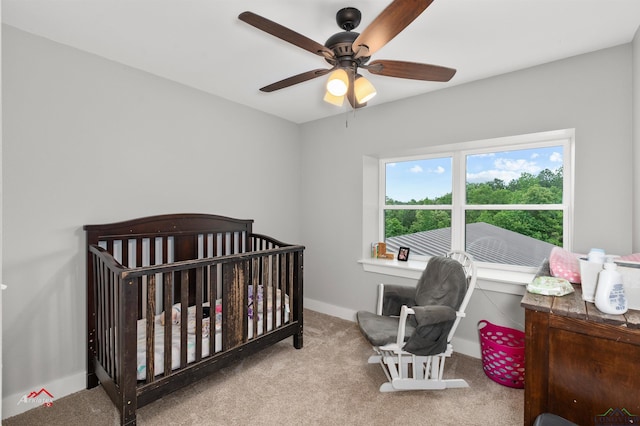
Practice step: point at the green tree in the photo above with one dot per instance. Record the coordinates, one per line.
(544, 225)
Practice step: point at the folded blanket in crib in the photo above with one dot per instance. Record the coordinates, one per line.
(176, 311)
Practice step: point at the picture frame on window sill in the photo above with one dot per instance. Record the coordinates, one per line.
(403, 254)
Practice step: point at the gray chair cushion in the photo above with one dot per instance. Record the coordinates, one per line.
(395, 296)
(443, 282)
(381, 330)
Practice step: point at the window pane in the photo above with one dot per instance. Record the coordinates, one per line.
(525, 176)
(419, 181)
(425, 232)
(514, 237)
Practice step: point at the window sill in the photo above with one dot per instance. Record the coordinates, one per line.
(489, 278)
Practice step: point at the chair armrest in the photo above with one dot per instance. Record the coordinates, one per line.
(392, 297)
(434, 314)
(425, 316)
(405, 311)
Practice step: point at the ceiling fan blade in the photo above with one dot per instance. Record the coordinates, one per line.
(285, 34)
(396, 17)
(295, 79)
(412, 70)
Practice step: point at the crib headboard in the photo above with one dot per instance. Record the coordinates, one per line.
(174, 225)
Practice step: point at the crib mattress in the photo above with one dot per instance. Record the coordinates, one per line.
(191, 337)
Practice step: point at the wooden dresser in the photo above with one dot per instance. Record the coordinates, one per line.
(579, 362)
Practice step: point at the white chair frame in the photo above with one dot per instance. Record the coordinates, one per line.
(407, 371)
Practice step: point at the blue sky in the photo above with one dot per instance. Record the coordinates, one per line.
(432, 178)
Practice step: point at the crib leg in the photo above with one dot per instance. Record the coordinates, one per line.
(130, 422)
(297, 340)
(127, 416)
(92, 381)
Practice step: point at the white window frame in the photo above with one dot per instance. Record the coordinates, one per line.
(459, 152)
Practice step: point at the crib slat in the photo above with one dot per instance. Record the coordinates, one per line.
(255, 273)
(199, 273)
(168, 323)
(139, 262)
(265, 292)
(275, 259)
(124, 246)
(233, 299)
(283, 288)
(184, 320)
(212, 280)
(165, 249)
(224, 244)
(151, 310)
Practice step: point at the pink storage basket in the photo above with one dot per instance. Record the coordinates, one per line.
(502, 354)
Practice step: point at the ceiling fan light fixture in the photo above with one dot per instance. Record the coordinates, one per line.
(338, 82)
(332, 99)
(363, 89)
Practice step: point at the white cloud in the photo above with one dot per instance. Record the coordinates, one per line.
(416, 169)
(519, 166)
(535, 155)
(438, 170)
(556, 157)
(505, 169)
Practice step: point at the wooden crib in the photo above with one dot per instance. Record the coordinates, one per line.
(142, 343)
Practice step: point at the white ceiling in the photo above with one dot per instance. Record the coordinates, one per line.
(202, 44)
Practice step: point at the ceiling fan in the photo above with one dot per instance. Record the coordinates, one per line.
(348, 51)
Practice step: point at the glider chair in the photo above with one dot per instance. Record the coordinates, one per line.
(412, 328)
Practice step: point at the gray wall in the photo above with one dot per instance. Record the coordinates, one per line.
(591, 93)
(1, 232)
(636, 141)
(87, 140)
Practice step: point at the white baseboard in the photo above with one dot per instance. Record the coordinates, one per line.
(466, 347)
(328, 309)
(463, 346)
(12, 405)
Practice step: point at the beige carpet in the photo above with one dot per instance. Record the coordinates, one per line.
(328, 382)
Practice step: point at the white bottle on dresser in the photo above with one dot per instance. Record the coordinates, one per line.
(610, 296)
